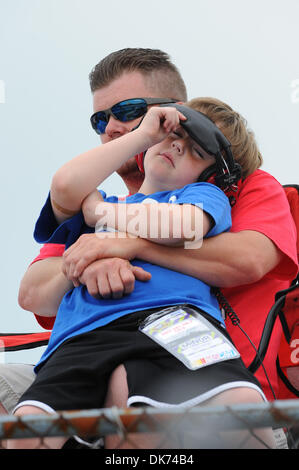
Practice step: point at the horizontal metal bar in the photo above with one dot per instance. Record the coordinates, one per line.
(107, 421)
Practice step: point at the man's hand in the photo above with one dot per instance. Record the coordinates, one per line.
(112, 278)
(91, 247)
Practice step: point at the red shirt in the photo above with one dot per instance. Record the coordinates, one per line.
(261, 206)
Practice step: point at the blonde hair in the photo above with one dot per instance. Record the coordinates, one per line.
(234, 127)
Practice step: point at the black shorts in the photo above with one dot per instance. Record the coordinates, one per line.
(76, 375)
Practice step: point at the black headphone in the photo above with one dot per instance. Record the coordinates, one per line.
(203, 131)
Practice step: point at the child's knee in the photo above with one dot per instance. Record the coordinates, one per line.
(29, 410)
(237, 395)
(34, 442)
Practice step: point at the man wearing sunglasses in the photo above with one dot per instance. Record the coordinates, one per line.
(140, 74)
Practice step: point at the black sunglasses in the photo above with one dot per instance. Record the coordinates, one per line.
(124, 111)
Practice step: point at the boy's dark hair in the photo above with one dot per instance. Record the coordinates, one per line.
(160, 74)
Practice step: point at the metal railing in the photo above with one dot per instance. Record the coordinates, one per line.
(174, 424)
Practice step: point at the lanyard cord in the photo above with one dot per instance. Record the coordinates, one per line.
(229, 312)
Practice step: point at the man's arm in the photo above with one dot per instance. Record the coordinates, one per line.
(226, 260)
(44, 284)
(43, 287)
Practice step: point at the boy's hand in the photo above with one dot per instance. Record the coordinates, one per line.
(159, 122)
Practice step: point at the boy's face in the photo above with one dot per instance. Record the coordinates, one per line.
(176, 161)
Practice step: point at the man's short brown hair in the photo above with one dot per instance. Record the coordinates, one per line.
(160, 74)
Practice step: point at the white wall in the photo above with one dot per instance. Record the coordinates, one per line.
(243, 52)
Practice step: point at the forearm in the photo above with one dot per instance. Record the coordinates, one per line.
(43, 287)
(161, 223)
(89, 206)
(228, 260)
(194, 263)
(75, 180)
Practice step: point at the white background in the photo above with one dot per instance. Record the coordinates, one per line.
(243, 52)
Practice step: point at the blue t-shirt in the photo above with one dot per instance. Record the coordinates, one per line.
(79, 312)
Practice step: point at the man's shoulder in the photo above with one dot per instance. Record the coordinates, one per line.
(260, 184)
(259, 177)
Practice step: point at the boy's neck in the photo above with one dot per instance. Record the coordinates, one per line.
(148, 187)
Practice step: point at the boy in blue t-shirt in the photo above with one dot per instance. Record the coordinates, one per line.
(92, 336)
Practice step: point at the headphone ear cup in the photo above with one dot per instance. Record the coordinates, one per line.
(228, 179)
(139, 159)
(207, 173)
